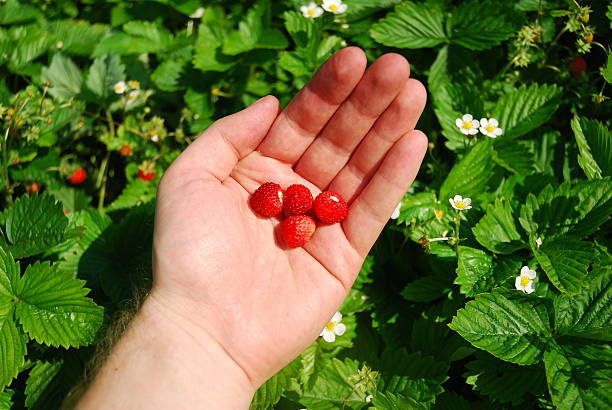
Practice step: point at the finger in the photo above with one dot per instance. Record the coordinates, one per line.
(330, 151)
(217, 150)
(371, 210)
(401, 117)
(305, 116)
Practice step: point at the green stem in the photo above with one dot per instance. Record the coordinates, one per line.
(102, 174)
(457, 226)
(5, 165)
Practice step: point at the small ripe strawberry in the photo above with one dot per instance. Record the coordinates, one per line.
(125, 150)
(330, 207)
(297, 230)
(78, 176)
(145, 176)
(268, 199)
(298, 200)
(34, 187)
(577, 66)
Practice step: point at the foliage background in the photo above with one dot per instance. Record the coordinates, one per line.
(434, 320)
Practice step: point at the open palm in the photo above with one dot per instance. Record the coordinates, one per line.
(227, 269)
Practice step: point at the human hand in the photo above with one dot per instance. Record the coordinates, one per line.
(223, 271)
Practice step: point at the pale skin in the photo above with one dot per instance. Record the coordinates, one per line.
(231, 304)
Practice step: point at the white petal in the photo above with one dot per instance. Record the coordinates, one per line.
(467, 117)
(530, 288)
(468, 207)
(459, 122)
(304, 9)
(498, 131)
(531, 274)
(475, 124)
(458, 198)
(465, 131)
(396, 211)
(517, 283)
(524, 270)
(467, 201)
(339, 329)
(337, 317)
(493, 122)
(318, 12)
(491, 135)
(483, 122)
(329, 336)
(483, 130)
(474, 131)
(342, 8)
(452, 202)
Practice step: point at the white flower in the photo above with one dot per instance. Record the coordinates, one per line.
(369, 398)
(467, 124)
(460, 204)
(311, 10)
(334, 6)
(538, 241)
(132, 96)
(490, 127)
(197, 14)
(120, 87)
(333, 328)
(154, 138)
(396, 211)
(524, 281)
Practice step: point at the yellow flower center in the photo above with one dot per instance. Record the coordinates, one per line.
(467, 125)
(460, 204)
(490, 128)
(118, 87)
(330, 326)
(311, 12)
(333, 7)
(525, 281)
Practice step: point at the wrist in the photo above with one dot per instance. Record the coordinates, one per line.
(162, 361)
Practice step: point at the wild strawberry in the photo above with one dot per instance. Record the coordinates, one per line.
(34, 187)
(297, 230)
(125, 150)
(78, 176)
(298, 200)
(268, 199)
(330, 207)
(145, 176)
(577, 66)
(588, 38)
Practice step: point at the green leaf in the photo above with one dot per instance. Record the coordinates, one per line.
(313, 361)
(12, 346)
(335, 385)
(588, 314)
(469, 176)
(208, 55)
(579, 376)
(504, 382)
(427, 288)
(6, 399)
(123, 44)
(525, 109)
(477, 272)
(595, 146)
(33, 224)
(304, 32)
(168, 74)
(13, 12)
(53, 308)
(607, 70)
(65, 78)
(150, 31)
(565, 262)
(40, 377)
(9, 275)
(517, 157)
(509, 325)
(497, 231)
(76, 36)
(104, 73)
(480, 25)
(411, 25)
(27, 44)
(136, 192)
(452, 401)
(390, 401)
(412, 375)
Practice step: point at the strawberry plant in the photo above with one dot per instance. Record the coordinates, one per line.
(490, 287)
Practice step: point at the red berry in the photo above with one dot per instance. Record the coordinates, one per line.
(298, 200)
(268, 199)
(330, 207)
(34, 187)
(297, 230)
(125, 150)
(145, 176)
(577, 66)
(78, 176)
